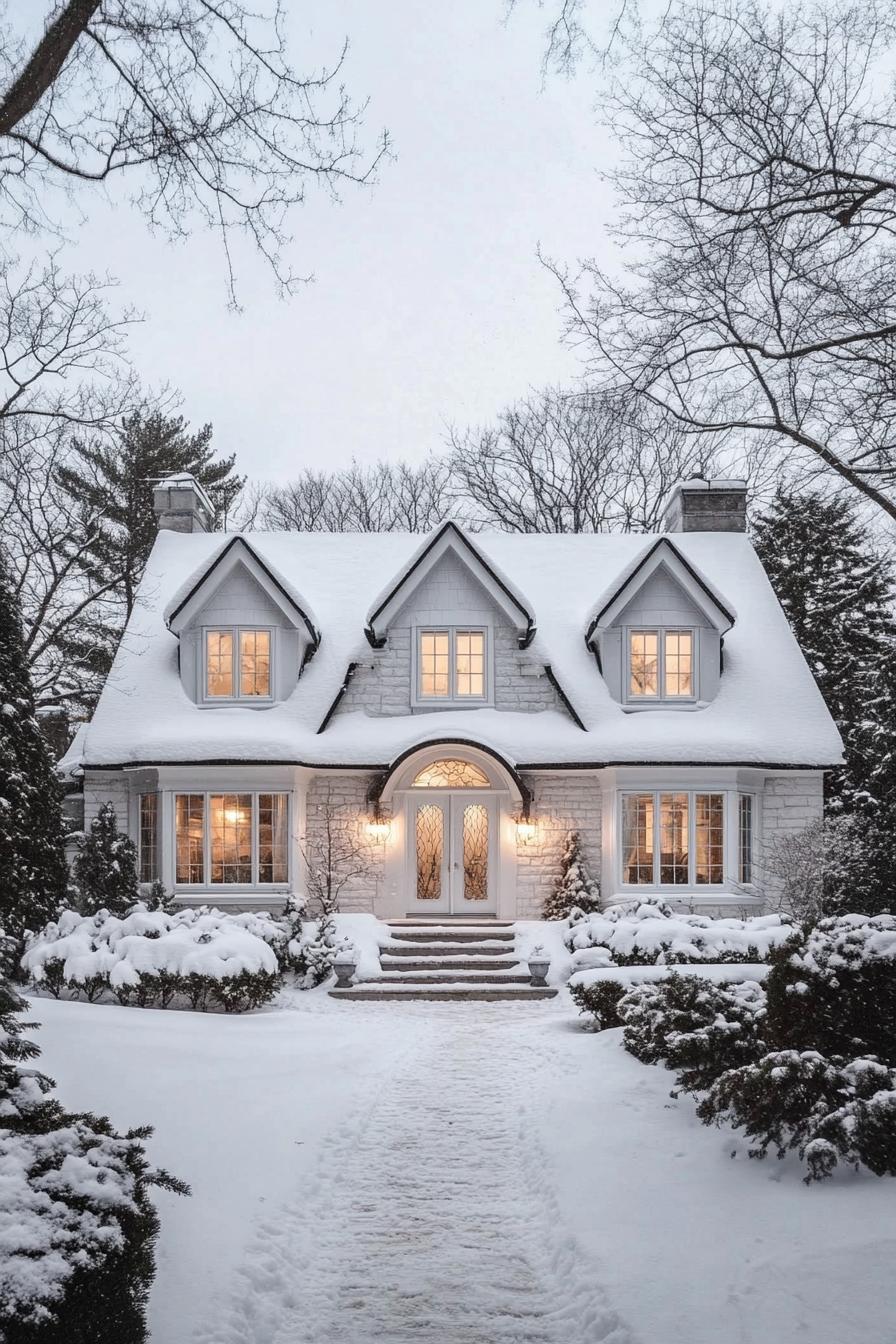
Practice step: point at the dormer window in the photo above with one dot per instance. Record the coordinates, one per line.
(451, 665)
(661, 665)
(238, 664)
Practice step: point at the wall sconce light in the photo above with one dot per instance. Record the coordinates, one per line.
(526, 830)
(378, 826)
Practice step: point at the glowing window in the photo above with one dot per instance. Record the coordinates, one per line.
(231, 839)
(219, 662)
(660, 664)
(255, 662)
(452, 665)
(674, 839)
(469, 663)
(245, 678)
(451, 774)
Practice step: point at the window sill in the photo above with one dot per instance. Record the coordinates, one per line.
(247, 703)
(431, 705)
(687, 896)
(677, 706)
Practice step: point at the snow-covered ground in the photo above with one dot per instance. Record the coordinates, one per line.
(462, 1173)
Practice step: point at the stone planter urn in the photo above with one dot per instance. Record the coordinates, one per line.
(345, 963)
(539, 965)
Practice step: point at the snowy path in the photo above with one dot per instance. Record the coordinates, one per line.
(428, 1218)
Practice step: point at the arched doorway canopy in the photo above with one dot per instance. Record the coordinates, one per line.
(451, 763)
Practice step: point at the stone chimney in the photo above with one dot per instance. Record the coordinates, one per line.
(181, 504)
(706, 506)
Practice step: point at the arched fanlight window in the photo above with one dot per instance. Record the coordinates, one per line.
(452, 774)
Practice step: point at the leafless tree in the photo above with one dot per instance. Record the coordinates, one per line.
(195, 102)
(587, 462)
(65, 603)
(63, 359)
(759, 210)
(385, 497)
(336, 852)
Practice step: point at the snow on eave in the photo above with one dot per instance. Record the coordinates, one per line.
(507, 595)
(71, 764)
(200, 577)
(626, 581)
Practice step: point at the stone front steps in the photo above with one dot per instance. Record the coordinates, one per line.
(448, 963)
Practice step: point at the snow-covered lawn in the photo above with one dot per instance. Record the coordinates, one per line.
(467, 1174)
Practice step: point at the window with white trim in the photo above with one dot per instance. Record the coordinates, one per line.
(451, 664)
(149, 837)
(673, 838)
(238, 663)
(231, 839)
(661, 664)
(745, 838)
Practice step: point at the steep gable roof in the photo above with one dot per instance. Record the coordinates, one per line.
(192, 595)
(660, 554)
(768, 711)
(448, 539)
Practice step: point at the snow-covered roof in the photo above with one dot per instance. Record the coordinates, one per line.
(768, 710)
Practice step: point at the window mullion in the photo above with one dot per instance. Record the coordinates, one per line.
(692, 839)
(253, 842)
(206, 839)
(657, 838)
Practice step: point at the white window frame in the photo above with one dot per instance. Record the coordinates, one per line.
(206, 884)
(452, 700)
(729, 839)
(661, 698)
(235, 631)
(157, 857)
(752, 799)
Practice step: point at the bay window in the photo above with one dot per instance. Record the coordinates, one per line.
(237, 664)
(451, 664)
(661, 664)
(673, 838)
(231, 839)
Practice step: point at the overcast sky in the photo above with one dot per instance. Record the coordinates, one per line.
(429, 306)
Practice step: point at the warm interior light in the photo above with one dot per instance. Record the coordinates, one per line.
(525, 830)
(378, 826)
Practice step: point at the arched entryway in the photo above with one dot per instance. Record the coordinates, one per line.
(453, 806)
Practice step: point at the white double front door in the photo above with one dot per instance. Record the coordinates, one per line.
(452, 852)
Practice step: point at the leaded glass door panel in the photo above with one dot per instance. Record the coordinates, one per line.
(452, 853)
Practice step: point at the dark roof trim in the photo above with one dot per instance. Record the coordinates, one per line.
(389, 771)
(570, 708)
(377, 643)
(467, 742)
(213, 565)
(349, 673)
(663, 541)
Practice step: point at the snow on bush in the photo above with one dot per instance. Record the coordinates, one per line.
(626, 935)
(826, 1110)
(151, 957)
(575, 888)
(698, 1029)
(77, 1225)
(833, 988)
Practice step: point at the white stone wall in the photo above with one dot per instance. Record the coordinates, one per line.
(790, 803)
(562, 802)
(341, 800)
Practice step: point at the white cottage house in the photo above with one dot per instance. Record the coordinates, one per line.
(440, 712)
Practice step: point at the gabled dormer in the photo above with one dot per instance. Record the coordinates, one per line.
(453, 618)
(658, 634)
(244, 633)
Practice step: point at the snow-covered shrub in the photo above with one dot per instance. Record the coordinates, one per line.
(697, 1028)
(601, 1000)
(77, 1225)
(104, 873)
(316, 952)
(153, 958)
(827, 1110)
(575, 888)
(817, 869)
(654, 934)
(833, 988)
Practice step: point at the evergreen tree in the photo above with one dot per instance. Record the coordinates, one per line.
(33, 871)
(837, 591)
(574, 888)
(105, 869)
(114, 479)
